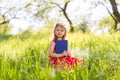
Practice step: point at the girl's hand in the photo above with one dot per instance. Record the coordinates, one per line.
(64, 53)
(68, 54)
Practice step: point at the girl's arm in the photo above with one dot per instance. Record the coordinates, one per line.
(54, 55)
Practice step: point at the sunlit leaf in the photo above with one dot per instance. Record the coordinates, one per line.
(67, 1)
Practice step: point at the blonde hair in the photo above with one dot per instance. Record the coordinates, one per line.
(63, 26)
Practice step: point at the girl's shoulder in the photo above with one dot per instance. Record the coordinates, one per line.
(52, 42)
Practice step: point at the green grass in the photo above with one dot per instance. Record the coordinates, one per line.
(27, 58)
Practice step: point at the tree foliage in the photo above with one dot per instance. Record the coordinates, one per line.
(32, 10)
(107, 21)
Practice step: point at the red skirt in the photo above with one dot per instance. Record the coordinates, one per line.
(66, 62)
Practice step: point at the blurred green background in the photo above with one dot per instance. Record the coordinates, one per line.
(26, 29)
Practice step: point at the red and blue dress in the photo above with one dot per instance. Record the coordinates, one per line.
(66, 62)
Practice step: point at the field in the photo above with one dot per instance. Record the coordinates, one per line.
(26, 58)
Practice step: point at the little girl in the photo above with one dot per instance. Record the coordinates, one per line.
(63, 60)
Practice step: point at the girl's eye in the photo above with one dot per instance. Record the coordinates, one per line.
(57, 29)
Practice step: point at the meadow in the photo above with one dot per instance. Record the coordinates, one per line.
(26, 58)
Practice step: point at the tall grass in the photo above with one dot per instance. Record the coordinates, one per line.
(27, 58)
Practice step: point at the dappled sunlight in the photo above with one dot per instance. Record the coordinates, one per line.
(30, 55)
(26, 32)
(79, 53)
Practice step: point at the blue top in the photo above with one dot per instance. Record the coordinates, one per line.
(61, 45)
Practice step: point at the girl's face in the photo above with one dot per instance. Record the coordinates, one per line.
(59, 32)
